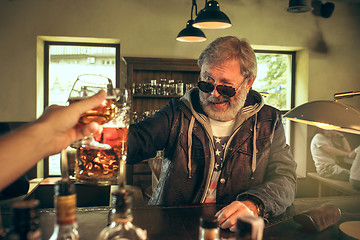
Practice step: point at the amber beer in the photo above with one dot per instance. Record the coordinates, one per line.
(101, 114)
(100, 166)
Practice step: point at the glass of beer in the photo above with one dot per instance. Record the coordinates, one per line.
(106, 166)
(85, 86)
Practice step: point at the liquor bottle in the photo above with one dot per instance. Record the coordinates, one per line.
(26, 221)
(121, 217)
(209, 229)
(66, 227)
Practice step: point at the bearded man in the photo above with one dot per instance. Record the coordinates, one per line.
(221, 143)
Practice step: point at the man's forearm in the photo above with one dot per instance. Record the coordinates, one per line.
(19, 151)
(335, 151)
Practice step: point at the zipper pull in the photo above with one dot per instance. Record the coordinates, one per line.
(252, 175)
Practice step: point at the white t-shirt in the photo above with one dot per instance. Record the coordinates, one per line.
(221, 129)
(320, 156)
(355, 167)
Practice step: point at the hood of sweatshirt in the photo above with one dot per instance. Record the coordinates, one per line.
(253, 104)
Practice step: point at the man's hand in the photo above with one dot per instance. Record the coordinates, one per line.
(228, 215)
(60, 122)
(352, 154)
(56, 129)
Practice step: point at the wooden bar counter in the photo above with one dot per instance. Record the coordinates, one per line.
(183, 222)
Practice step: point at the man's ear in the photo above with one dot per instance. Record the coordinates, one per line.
(250, 82)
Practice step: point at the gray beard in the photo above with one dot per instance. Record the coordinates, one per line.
(235, 105)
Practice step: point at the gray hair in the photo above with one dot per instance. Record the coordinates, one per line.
(226, 48)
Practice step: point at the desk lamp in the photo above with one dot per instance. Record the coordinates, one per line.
(329, 115)
(332, 115)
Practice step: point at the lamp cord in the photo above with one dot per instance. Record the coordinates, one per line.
(192, 9)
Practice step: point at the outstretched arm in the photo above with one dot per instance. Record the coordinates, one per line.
(55, 130)
(338, 152)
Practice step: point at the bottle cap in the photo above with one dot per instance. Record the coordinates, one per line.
(122, 200)
(64, 188)
(249, 227)
(208, 223)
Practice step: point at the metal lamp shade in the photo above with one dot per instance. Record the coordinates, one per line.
(191, 34)
(211, 17)
(299, 6)
(328, 115)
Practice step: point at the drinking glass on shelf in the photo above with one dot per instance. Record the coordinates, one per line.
(107, 166)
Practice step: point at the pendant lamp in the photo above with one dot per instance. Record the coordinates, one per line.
(210, 17)
(190, 33)
(299, 6)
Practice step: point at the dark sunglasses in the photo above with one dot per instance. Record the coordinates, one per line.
(224, 90)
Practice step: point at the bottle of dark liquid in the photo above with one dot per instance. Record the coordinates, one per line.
(249, 228)
(26, 221)
(66, 227)
(209, 229)
(120, 222)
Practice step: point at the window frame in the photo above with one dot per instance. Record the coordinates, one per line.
(293, 73)
(47, 45)
(292, 88)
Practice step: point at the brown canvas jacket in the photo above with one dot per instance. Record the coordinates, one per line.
(265, 173)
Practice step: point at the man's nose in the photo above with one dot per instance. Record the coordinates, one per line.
(215, 93)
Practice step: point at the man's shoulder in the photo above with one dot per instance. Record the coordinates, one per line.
(319, 140)
(269, 111)
(270, 108)
(178, 106)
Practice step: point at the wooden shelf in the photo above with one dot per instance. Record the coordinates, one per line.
(155, 96)
(143, 70)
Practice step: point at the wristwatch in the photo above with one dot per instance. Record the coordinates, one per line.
(258, 203)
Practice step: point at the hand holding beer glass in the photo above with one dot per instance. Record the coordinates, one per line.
(98, 157)
(85, 86)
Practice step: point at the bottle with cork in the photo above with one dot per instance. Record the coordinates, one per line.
(120, 224)
(66, 227)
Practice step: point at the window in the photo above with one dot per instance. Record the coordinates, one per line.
(64, 62)
(275, 78)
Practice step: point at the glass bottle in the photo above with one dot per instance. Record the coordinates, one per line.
(209, 229)
(153, 87)
(121, 217)
(66, 227)
(249, 227)
(172, 87)
(26, 221)
(180, 88)
(164, 86)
